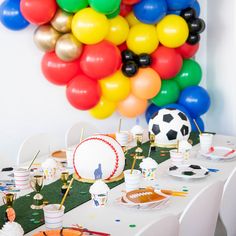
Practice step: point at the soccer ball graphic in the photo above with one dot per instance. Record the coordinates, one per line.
(169, 126)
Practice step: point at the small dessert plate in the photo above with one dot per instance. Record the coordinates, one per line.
(220, 153)
(188, 171)
(59, 156)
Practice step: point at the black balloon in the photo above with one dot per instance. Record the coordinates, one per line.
(196, 26)
(193, 39)
(144, 60)
(188, 13)
(129, 68)
(128, 55)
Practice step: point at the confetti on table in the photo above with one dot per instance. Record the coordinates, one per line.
(83, 192)
(132, 226)
(162, 155)
(117, 220)
(35, 214)
(32, 219)
(28, 195)
(36, 222)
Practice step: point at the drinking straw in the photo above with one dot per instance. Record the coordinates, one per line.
(65, 195)
(119, 127)
(133, 164)
(200, 132)
(177, 145)
(33, 159)
(81, 135)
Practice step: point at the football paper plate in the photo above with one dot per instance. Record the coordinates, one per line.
(189, 171)
(220, 153)
(59, 156)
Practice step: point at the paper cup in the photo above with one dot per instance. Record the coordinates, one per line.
(122, 138)
(206, 140)
(69, 157)
(99, 200)
(149, 174)
(22, 177)
(177, 158)
(132, 181)
(53, 217)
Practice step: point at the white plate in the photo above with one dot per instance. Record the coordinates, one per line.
(188, 171)
(220, 153)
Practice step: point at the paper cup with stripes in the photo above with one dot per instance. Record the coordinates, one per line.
(22, 177)
(53, 217)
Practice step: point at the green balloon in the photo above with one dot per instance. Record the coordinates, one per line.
(72, 6)
(105, 6)
(189, 75)
(113, 14)
(169, 93)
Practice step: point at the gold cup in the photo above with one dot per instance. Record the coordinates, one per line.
(37, 184)
(8, 199)
(64, 179)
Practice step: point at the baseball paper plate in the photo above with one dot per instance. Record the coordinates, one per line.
(220, 153)
(188, 171)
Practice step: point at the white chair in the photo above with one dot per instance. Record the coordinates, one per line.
(44, 142)
(228, 207)
(200, 216)
(167, 226)
(73, 134)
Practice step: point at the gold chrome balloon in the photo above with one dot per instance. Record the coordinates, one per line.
(68, 48)
(62, 21)
(45, 37)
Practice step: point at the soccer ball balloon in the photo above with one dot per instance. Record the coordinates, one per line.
(169, 125)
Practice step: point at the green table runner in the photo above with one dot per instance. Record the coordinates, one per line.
(79, 194)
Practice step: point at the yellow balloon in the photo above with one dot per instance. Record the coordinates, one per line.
(89, 26)
(172, 31)
(103, 109)
(132, 20)
(142, 38)
(116, 87)
(118, 30)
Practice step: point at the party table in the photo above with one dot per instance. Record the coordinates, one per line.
(116, 219)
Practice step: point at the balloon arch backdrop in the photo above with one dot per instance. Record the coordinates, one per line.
(118, 55)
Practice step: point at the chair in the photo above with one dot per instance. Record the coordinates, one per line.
(44, 142)
(228, 208)
(200, 216)
(167, 226)
(73, 134)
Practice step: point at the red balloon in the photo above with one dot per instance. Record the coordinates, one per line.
(130, 2)
(166, 62)
(187, 50)
(38, 11)
(123, 46)
(83, 93)
(57, 71)
(125, 9)
(100, 60)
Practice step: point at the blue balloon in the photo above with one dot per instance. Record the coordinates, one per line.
(179, 4)
(173, 12)
(150, 11)
(197, 8)
(196, 100)
(10, 15)
(150, 111)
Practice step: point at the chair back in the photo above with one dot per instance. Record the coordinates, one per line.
(167, 226)
(200, 215)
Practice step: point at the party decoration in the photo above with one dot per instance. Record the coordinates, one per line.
(144, 60)
(104, 6)
(150, 11)
(100, 60)
(169, 93)
(128, 55)
(130, 2)
(196, 26)
(190, 74)
(103, 109)
(68, 48)
(167, 62)
(118, 30)
(83, 93)
(179, 4)
(113, 14)
(104, 155)
(45, 37)
(132, 106)
(89, 26)
(57, 71)
(197, 8)
(132, 19)
(62, 21)
(151, 110)
(188, 13)
(145, 84)
(196, 100)
(38, 12)
(10, 15)
(125, 9)
(187, 50)
(72, 6)
(142, 38)
(193, 39)
(116, 87)
(129, 68)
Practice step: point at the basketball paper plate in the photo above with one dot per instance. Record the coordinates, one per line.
(98, 157)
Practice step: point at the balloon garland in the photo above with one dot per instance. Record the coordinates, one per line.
(118, 54)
